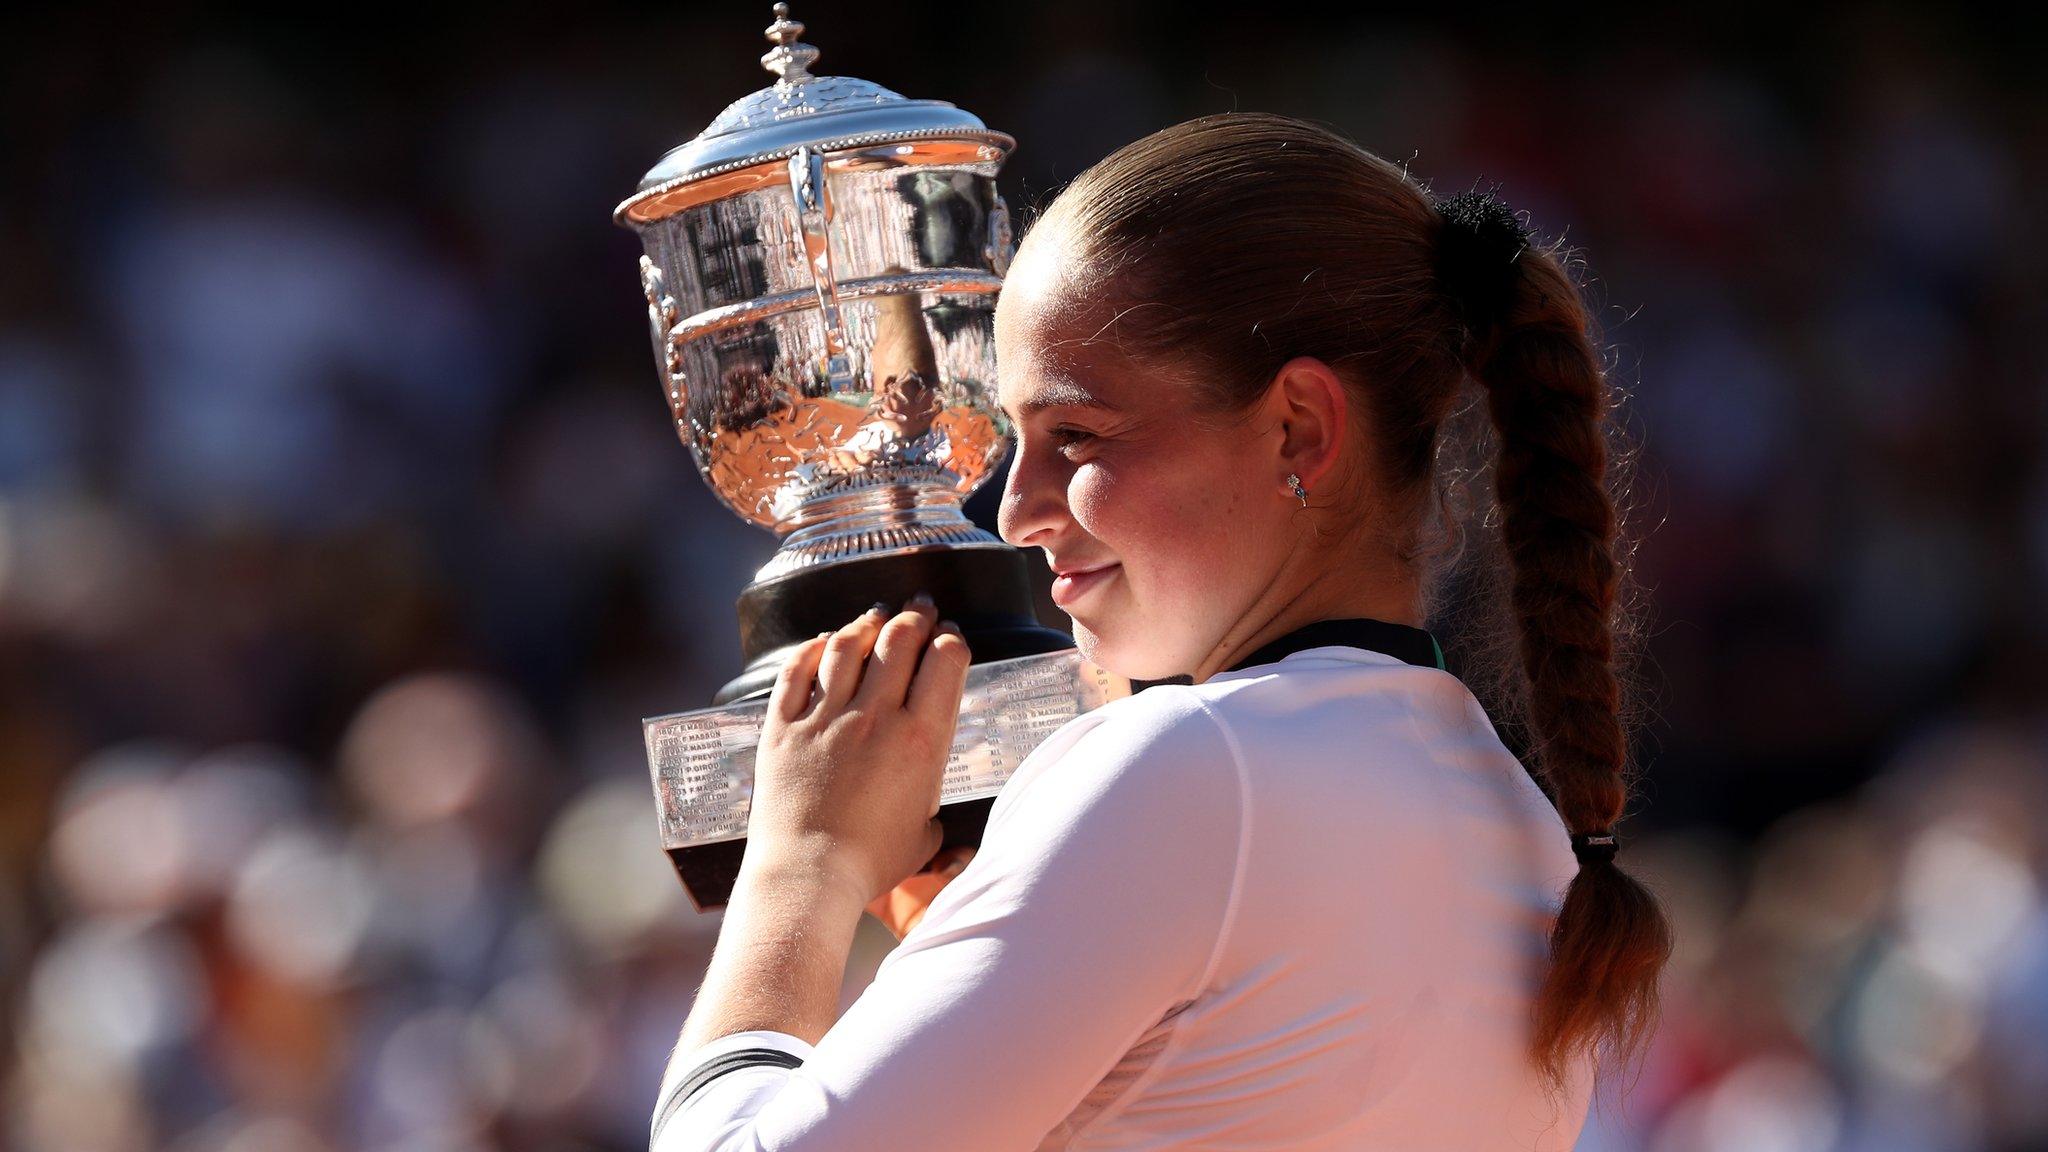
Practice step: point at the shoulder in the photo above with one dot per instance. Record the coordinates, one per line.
(1125, 832)
(1159, 751)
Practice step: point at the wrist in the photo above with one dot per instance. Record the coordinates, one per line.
(810, 872)
(782, 948)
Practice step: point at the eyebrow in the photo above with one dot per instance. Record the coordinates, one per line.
(1059, 395)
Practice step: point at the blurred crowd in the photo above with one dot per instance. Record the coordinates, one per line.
(344, 542)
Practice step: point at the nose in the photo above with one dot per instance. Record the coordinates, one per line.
(1034, 500)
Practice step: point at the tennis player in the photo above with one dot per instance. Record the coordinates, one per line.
(1306, 899)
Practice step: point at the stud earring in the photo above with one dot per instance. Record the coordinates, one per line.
(1294, 482)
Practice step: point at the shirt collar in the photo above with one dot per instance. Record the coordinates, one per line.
(1402, 642)
(1410, 645)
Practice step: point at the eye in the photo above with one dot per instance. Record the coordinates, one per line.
(1066, 436)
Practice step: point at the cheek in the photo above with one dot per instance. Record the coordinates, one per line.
(1157, 517)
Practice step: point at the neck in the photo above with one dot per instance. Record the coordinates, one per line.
(1395, 599)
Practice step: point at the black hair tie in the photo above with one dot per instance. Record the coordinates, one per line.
(1595, 847)
(1477, 247)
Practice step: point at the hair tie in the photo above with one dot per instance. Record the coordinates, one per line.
(1476, 250)
(1595, 847)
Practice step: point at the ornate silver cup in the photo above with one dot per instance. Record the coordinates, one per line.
(821, 276)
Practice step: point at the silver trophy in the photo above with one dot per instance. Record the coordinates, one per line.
(821, 275)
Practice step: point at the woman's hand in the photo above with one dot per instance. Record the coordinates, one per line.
(854, 748)
(900, 908)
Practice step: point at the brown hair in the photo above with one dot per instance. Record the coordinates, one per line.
(1234, 243)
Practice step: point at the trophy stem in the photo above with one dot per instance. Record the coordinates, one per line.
(987, 591)
(882, 513)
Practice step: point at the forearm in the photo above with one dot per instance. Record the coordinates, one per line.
(781, 954)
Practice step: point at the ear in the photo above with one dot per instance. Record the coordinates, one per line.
(1310, 408)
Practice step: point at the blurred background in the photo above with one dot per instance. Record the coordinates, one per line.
(344, 542)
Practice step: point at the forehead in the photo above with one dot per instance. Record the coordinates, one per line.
(1054, 343)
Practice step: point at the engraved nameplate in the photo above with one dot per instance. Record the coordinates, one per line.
(703, 761)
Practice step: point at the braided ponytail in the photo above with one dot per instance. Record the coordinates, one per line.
(1527, 342)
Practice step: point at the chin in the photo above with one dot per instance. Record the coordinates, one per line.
(1126, 656)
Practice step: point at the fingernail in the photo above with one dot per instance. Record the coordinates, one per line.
(880, 609)
(949, 626)
(922, 599)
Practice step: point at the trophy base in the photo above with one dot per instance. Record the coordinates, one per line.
(986, 591)
(702, 762)
(709, 871)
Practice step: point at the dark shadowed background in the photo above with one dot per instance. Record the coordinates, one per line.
(344, 542)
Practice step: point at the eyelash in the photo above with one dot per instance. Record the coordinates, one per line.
(1066, 436)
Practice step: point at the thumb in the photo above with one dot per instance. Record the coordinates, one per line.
(956, 862)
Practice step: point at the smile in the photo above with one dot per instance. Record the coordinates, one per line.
(1067, 589)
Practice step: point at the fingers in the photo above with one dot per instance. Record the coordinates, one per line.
(883, 908)
(949, 861)
(839, 669)
(877, 660)
(791, 696)
(896, 654)
(941, 678)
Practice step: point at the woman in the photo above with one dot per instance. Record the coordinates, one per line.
(1302, 900)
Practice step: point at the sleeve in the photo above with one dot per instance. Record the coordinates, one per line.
(1099, 899)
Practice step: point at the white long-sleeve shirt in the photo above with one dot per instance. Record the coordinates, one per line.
(1301, 905)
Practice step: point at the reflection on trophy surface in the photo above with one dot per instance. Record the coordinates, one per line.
(905, 405)
(821, 275)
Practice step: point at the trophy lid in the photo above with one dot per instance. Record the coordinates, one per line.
(823, 113)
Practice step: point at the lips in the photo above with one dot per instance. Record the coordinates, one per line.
(1070, 584)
